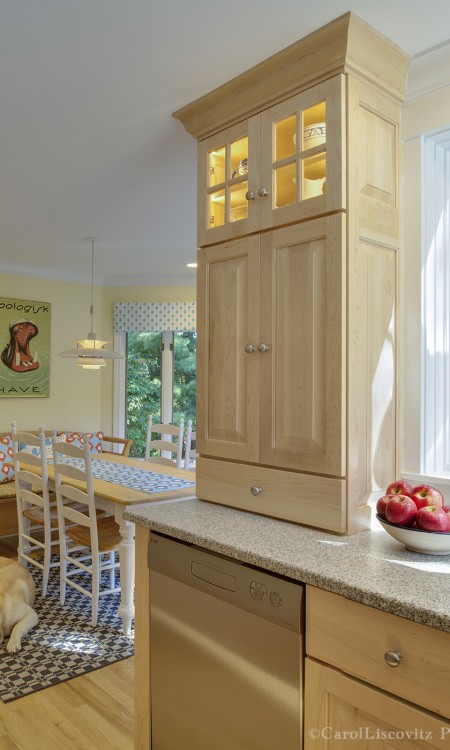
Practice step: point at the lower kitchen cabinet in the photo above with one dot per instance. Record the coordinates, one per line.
(341, 712)
(373, 679)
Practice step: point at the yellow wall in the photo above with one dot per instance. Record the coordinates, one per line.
(75, 394)
(79, 399)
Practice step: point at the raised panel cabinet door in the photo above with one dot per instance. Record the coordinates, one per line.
(302, 155)
(227, 358)
(342, 713)
(227, 162)
(302, 367)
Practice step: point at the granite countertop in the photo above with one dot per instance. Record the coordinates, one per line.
(369, 567)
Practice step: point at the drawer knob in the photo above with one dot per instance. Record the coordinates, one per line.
(262, 191)
(263, 347)
(392, 658)
(249, 348)
(250, 195)
(256, 490)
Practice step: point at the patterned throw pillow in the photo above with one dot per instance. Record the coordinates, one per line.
(6, 456)
(48, 446)
(94, 438)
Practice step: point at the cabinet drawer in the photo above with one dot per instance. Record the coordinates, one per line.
(301, 498)
(355, 638)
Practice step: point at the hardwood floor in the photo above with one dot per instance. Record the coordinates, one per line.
(91, 712)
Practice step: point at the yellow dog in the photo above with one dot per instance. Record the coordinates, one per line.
(17, 592)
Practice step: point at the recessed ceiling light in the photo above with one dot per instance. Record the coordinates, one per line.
(191, 265)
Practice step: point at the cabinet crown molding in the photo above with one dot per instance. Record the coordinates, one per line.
(346, 45)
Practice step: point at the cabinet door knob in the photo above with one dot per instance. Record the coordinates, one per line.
(250, 195)
(263, 347)
(262, 191)
(249, 348)
(256, 490)
(392, 658)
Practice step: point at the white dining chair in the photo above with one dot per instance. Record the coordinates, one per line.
(36, 508)
(88, 543)
(169, 443)
(190, 453)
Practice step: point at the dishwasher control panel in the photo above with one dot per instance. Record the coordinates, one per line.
(265, 594)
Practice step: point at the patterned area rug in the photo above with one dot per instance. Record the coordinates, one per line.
(63, 644)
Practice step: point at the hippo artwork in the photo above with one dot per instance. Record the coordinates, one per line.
(17, 355)
(24, 348)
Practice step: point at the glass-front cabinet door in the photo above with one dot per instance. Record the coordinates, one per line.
(227, 161)
(302, 150)
(279, 167)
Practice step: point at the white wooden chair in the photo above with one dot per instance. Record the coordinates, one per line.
(190, 454)
(36, 514)
(171, 451)
(87, 542)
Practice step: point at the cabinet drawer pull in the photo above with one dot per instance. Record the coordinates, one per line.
(249, 348)
(256, 490)
(262, 191)
(263, 347)
(250, 195)
(392, 658)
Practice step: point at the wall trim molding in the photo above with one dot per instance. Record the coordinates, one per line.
(429, 71)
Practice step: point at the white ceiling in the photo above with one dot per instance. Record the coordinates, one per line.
(88, 144)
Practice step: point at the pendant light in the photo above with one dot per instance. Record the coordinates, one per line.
(89, 351)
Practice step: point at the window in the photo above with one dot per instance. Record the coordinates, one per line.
(435, 419)
(160, 380)
(158, 373)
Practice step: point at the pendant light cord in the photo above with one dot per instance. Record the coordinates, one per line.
(92, 287)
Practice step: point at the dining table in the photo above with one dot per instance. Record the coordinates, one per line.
(121, 482)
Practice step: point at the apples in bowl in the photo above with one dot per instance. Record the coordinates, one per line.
(416, 517)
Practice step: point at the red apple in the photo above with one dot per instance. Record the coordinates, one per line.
(381, 505)
(400, 487)
(401, 510)
(432, 518)
(447, 510)
(424, 495)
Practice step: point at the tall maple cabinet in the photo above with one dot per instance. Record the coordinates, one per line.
(299, 229)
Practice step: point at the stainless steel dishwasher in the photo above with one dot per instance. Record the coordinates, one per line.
(226, 652)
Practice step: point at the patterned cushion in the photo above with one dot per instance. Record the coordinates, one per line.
(48, 446)
(94, 438)
(6, 456)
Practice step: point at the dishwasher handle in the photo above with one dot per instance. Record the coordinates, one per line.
(214, 577)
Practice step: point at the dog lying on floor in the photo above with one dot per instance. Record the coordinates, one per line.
(17, 592)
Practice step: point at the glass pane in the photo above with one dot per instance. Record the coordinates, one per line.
(216, 213)
(285, 184)
(285, 137)
(314, 126)
(238, 201)
(216, 167)
(184, 382)
(314, 174)
(143, 386)
(239, 157)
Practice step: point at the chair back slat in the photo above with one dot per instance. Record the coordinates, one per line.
(31, 497)
(169, 450)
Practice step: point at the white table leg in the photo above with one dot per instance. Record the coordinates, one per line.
(126, 559)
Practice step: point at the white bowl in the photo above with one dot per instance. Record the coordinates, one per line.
(418, 540)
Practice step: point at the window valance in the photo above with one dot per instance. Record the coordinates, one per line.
(137, 317)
